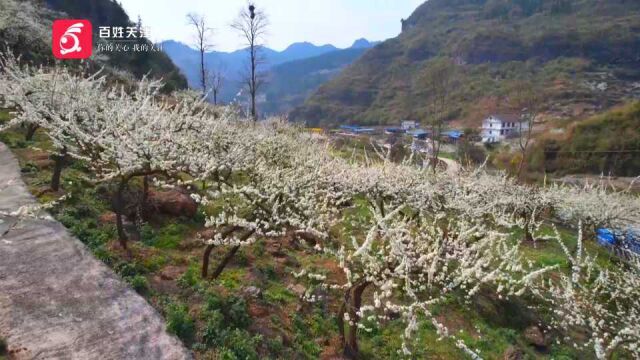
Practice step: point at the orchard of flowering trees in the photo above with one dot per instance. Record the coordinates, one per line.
(405, 239)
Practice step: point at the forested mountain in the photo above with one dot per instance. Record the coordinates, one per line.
(291, 75)
(584, 53)
(289, 84)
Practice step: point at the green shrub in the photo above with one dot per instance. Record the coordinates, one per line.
(275, 345)
(86, 229)
(102, 254)
(304, 344)
(29, 168)
(242, 344)
(138, 283)
(180, 323)
(3, 347)
(128, 269)
(233, 308)
(223, 317)
(189, 278)
(214, 331)
(148, 235)
(268, 271)
(154, 263)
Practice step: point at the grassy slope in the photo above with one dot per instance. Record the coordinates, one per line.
(219, 318)
(581, 149)
(564, 49)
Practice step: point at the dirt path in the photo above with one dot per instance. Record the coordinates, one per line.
(58, 302)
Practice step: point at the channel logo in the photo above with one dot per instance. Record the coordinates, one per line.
(72, 39)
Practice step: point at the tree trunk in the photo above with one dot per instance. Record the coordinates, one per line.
(351, 350)
(144, 200)
(59, 161)
(229, 256)
(528, 236)
(341, 311)
(520, 167)
(205, 261)
(254, 82)
(203, 73)
(145, 189)
(119, 209)
(31, 131)
(209, 248)
(225, 261)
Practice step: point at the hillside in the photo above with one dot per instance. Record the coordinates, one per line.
(289, 84)
(583, 52)
(607, 143)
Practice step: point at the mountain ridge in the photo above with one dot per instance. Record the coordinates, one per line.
(567, 45)
(231, 64)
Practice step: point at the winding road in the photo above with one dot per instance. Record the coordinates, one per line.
(57, 301)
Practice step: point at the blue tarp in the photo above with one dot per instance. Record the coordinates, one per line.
(394, 130)
(454, 134)
(628, 239)
(606, 237)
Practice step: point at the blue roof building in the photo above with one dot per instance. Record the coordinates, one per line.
(453, 134)
(419, 134)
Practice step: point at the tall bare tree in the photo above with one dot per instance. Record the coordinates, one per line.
(527, 98)
(216, 81)
(202, 41)
(439, 80)
(252, 25)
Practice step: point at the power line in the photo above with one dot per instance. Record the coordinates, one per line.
(593, 152)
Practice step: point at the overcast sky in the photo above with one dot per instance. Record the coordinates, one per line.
(337, 22)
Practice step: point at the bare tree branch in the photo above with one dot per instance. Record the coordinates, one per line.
(203, 35)
(440, 78)
(527, 99)
(252, 24)
(215, 79)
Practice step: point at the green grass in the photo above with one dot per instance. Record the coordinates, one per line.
(167, 237)
(232, 278)
(277, 293)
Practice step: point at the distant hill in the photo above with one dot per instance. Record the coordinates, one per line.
(585, 53)
(364, 44)
(289, 84)
(275, 67)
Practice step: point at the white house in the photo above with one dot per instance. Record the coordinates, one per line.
(408, 125)
(499, 127)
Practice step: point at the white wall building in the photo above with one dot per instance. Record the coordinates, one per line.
(497, 128)
(408, 125)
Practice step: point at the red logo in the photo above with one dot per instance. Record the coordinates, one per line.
(72, 39)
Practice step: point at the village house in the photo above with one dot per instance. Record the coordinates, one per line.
(409, 124)
(499, 127)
